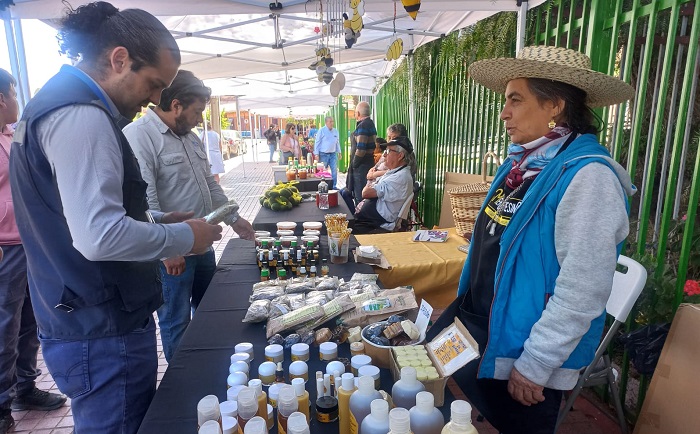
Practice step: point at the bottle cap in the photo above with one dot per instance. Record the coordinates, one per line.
(229, 425)
(409, 374)
(237, 379)
(210, 427)
(298, 368)
(281, 272)
(399, 421)
(360, 360)
(461, 412)
(425, 401)
(273, 392)
(265, 272)
(368, 370)
(242, 357)
(247, 403)
(208, 409)
(348, 382)
(245, 347)
(334, 366)
(299, 386)
(229, 408)
(379, 409)
(287, 402)
(239, 366)
(296, 423)
(256, 425)
(256, 385)
(366, 384)
(232, 393)
(320, 389)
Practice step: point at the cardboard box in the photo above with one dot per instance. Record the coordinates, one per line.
(671, 404)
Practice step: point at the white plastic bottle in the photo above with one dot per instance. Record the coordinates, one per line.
(256, 425)
(399, 421)
(296, 424)
(461, 419)
(360, 403)
(425, 418)
(377, 421)
(405, 390)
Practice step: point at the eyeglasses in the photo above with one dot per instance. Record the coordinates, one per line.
(387, 150)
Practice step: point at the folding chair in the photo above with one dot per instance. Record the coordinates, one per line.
(625, 291)
(403, 215)
(415, 221)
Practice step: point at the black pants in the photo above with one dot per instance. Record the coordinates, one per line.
(368, 218)
(491, 397)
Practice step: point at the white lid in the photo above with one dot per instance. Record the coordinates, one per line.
(368, 370)
(244, 347)
(298, 368)
(229, 425)
(348, 382)
(256, 425)
(247, 403)
(409, 374)
(320, 389)
(210, 427)
(366, 385)
(208, 409)
(240, 357)
(328, 347)
(274, 391)
(425, 401)
(256, 385)
(334, 366)
(399, 421)
(239, 366)
(461, 412)
(299, 386)
(232, 393)
(296, 424)
(379, 409)
(229, 408)
(267, 368)
(300, 349)
(274, 350)
(287, 402)
(360, 360)
(237, 379)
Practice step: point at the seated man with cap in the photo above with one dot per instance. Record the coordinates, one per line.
(382, 202)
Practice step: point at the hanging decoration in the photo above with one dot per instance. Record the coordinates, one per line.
(396, 47)
(353, 25)
(411, 7)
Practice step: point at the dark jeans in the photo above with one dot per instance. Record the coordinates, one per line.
(18, 339)
(491, 397)
(359, 180)
(273, 148)
(284, 157)
(110, 381)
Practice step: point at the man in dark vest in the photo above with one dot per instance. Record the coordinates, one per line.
(92, 247)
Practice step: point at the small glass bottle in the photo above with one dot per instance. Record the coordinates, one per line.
(324, 268)
(301, 271)
(282, 274)
(323, 194)
(279, 373)
(264, 274)
(271, 259)
(312, 271)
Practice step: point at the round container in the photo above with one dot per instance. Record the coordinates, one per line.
(359, 361)
(285, 233)
(311, 233)
(229, 408)
(229, 425)
(274, 353)
(300, 352)
(326, 409)
(266, 373)
(241, 357)
(357, 348)
(290, 226)
(259, 240)
(328, 351)
(287, 240)
(273, 393)
(302, 173)
(239, 366)
(237, 379)
(371, 371)
(332, 198)
(334, 366)
(299, 369)
(313, 238)
(245, 347)
(232, 393)
(261, 234)
(316, 226)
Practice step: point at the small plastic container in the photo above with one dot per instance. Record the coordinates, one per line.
(357, 348)
(370, 371)
(359, 361)
(311, 233)
(300, 352)
(328, 351)
(237, 379)
(229, 408)
(335, 366)
(314, 226)
(210, 427)
(273, 393)
(290, 226)
(232, 393)
(313, 238)
(287, 240)
(299, 369)
(266, 373)
(229, 425)
(239, 366)
(405, 390)
(208, 409)
(285, 233)
(274, 353)
(270, 416)
(241, 357)
(245, 347)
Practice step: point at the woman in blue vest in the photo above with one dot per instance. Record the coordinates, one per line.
(545, 243)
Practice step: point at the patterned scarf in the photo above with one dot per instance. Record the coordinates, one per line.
(529, 159)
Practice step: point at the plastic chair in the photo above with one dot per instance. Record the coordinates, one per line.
(625, 291)
(403, 215)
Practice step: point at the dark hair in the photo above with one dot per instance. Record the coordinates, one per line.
(92, 29)
(185, 88)
(576, 114)
(399, 129)
(6, 80)
(379, 141)
(289, 127)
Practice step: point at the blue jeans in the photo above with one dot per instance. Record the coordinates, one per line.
(18, 340)
(181, 294)
(359, 180)
(273, 148)
(110, 381)
(330, 159)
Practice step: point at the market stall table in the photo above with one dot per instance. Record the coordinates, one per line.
(433, 269)
(200, 364)
(266, 219)
(304, 185)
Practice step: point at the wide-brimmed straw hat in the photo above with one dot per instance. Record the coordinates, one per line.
(553, 63)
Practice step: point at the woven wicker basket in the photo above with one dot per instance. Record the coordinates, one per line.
(466, 200)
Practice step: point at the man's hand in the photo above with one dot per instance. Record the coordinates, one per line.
(174, 266)
(204, 235)
(176, 217)
(244, 229)
(523, 390)
(340, 156)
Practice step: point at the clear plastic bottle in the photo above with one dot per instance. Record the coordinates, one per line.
(297, 424)
(377, 421)
(425, 418)
(360, 403)
(247, 407)
(399, 421)
(256, 425)
(323, 194)
(261, 396)
(461, 419)
(405, 390)
(302, 397)
(286, 405)
(210, 427)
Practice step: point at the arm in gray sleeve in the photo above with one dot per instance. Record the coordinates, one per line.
(91, 191)
(591, 220)
(145, 152)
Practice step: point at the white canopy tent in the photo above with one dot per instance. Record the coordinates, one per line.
(261, 50)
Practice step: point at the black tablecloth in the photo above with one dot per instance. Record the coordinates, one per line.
(308, 184)
(266, 219)
(200, 364)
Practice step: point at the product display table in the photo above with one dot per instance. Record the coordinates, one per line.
(266, 219)
(305, 185)
(433, 269)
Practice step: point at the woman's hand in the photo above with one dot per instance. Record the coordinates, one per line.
(370, 174)
(523, 390)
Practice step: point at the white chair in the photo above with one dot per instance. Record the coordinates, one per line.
(403, 213)
(626, 289)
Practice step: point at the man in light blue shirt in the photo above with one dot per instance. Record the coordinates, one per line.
(327, 148)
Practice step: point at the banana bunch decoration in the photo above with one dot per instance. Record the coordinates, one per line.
(324, 65)
(411, 7)
(283, 196)
(395, 50)
(353, 25)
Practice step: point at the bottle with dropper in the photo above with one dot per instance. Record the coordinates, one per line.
(286, 405)
(461, 419)
(425, 418)
(399, 421)
(377, 421)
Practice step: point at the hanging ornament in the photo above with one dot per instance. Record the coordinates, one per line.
(353, 25)
(335, 88)
(340, 78)
(395, 50)
(411, 7)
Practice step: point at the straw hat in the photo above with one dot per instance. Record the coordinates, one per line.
(554, 63)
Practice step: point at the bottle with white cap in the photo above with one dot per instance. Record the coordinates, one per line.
(377, 421)
(399, 421)
(405, 390)
(302, 396)
(345, 391)
(247, 406)
(461, 419)
(229, 408)
(286, 405)
(229, 425)
(261, 396)
(297, 424)
(360, 403)
(208, 409)
(210, 427)
(256, 425)
(425, 418)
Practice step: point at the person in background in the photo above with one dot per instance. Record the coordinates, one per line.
(362, 146)
(212, 143)
(380, 168)
(80, 205)
(272, 135)
(312, 131)
(19, 344)
(174, 164)
(545, 244)
(327, 148)
(289, 144)
(379, 148)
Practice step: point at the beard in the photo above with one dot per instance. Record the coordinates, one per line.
(182, 126)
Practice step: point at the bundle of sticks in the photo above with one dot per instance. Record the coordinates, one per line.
(337, 225)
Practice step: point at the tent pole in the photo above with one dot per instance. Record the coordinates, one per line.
(22, 60)
(240, 128)
(411, 95)
(14, 63)
(522, 26)
(253, 135)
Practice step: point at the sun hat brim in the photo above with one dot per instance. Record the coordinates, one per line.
(601, 89)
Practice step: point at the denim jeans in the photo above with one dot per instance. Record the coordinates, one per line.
(18, 340)
(359, 180)
(284, 157)
(181, 294)
(273, 148)
(110, 381)
(330, 159)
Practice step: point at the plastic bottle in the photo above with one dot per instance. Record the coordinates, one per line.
(377, 421)
(261, 396)
(461, 419)
(302, 396)
(425, 418)
(208, 409)
(286, 405)
(256, 425)
(323, 194)
(210, 427)
(399, 421)
(297, 424)
(247, 407)
(405, 390)
(360, 403)
(347, 387)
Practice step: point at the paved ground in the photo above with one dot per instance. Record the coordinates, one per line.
(245, 179)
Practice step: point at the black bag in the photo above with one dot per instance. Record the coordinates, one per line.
(645, 345)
